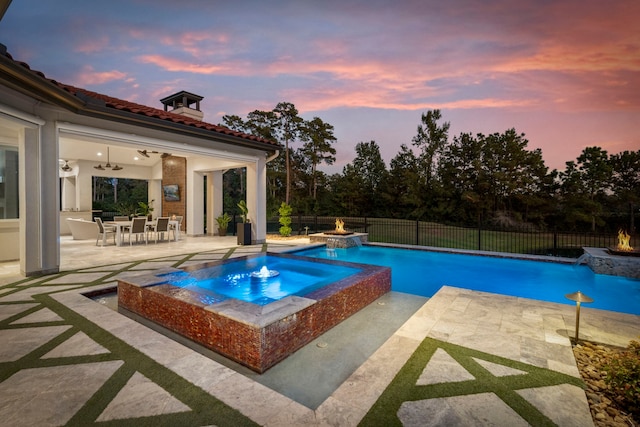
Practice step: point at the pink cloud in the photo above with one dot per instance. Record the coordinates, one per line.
(89, 76)
(176, 65)
(89, 45)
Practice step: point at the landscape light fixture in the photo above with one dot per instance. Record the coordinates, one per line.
(578, 297)
(108, 164)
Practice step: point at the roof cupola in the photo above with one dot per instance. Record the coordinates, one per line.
(181, 103)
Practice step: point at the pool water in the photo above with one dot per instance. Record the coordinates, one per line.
(234, 280)
(422, 273)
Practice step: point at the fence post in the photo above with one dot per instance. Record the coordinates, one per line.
(417, 232)
(479, 235)
(555, 242)
(315, 224)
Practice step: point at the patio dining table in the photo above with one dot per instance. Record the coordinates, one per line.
(120, 226)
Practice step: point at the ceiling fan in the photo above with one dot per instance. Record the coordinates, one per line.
(145, 153)
(108, 164)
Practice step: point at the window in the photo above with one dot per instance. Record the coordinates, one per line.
(9, 201)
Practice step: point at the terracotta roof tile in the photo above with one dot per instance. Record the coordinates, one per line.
(123, 105)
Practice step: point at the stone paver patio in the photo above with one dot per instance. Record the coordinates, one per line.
(67, 360)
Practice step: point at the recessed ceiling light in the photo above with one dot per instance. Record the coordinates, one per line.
(99, 153)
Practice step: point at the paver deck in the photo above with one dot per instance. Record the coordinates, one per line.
(67, 359)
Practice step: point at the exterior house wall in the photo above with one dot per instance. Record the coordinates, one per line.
(36, 114)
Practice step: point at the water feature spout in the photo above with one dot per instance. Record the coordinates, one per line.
(264, 273)
(581, 259)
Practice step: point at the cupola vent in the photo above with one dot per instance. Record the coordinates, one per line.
(183, 103)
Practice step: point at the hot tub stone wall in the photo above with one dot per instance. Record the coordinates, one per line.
(601, 262)
(334, 241)
(239, 330)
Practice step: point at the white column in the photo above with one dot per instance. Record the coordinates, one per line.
(39, 203)
(195, 203)
(69, 193)
(84, 185)
(257, 199)
(215, 199)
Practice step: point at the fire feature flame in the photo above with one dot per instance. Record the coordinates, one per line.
(623, 241)
(339, 225)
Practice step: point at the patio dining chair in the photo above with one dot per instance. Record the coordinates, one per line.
(139, 228)
(104, 231)
(161, 226)
(177, 229)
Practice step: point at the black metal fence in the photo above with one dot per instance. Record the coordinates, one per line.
(422, 233)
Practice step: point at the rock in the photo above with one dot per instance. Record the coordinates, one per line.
(600, 416)
(612, 411)
(620, 420)
(594, 374)
(595, 398)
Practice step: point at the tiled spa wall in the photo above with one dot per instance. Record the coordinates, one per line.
(257, 347)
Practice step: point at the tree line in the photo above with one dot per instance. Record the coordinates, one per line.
(464, 180)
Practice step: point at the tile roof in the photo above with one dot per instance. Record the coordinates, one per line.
(91, 97)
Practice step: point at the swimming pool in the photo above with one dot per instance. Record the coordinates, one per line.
(421, 272)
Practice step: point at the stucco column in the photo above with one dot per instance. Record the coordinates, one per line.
(195, 203)
(215, 199)
(39, 204)
(257, 199)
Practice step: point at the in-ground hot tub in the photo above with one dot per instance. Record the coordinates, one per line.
(260, 319)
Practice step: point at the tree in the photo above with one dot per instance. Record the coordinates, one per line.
(363, 179)
(625, 182)
(287, 128)
(595, 171)
(318, 137)
(404, 194)
(260, 123)
(584, 186)
(236, 123)
(511, 170)
(495, 173)
(431, 140)
(459, 172)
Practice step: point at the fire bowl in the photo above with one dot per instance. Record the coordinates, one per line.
(614, 251)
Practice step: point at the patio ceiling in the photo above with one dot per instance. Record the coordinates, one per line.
(73, 148)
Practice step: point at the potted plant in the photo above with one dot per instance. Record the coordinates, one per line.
(126, 209)
(145, 209)
(244, 231)
(223, 222)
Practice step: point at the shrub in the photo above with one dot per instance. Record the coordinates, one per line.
(285, 219)
(623, 377)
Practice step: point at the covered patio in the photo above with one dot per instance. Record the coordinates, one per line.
(53, 136)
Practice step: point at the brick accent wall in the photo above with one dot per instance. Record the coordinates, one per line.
(258, 348)
(174, 171)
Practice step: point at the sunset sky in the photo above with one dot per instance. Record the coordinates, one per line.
(566, 73)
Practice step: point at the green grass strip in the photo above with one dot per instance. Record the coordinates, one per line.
(206, 409)
(403, 388)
